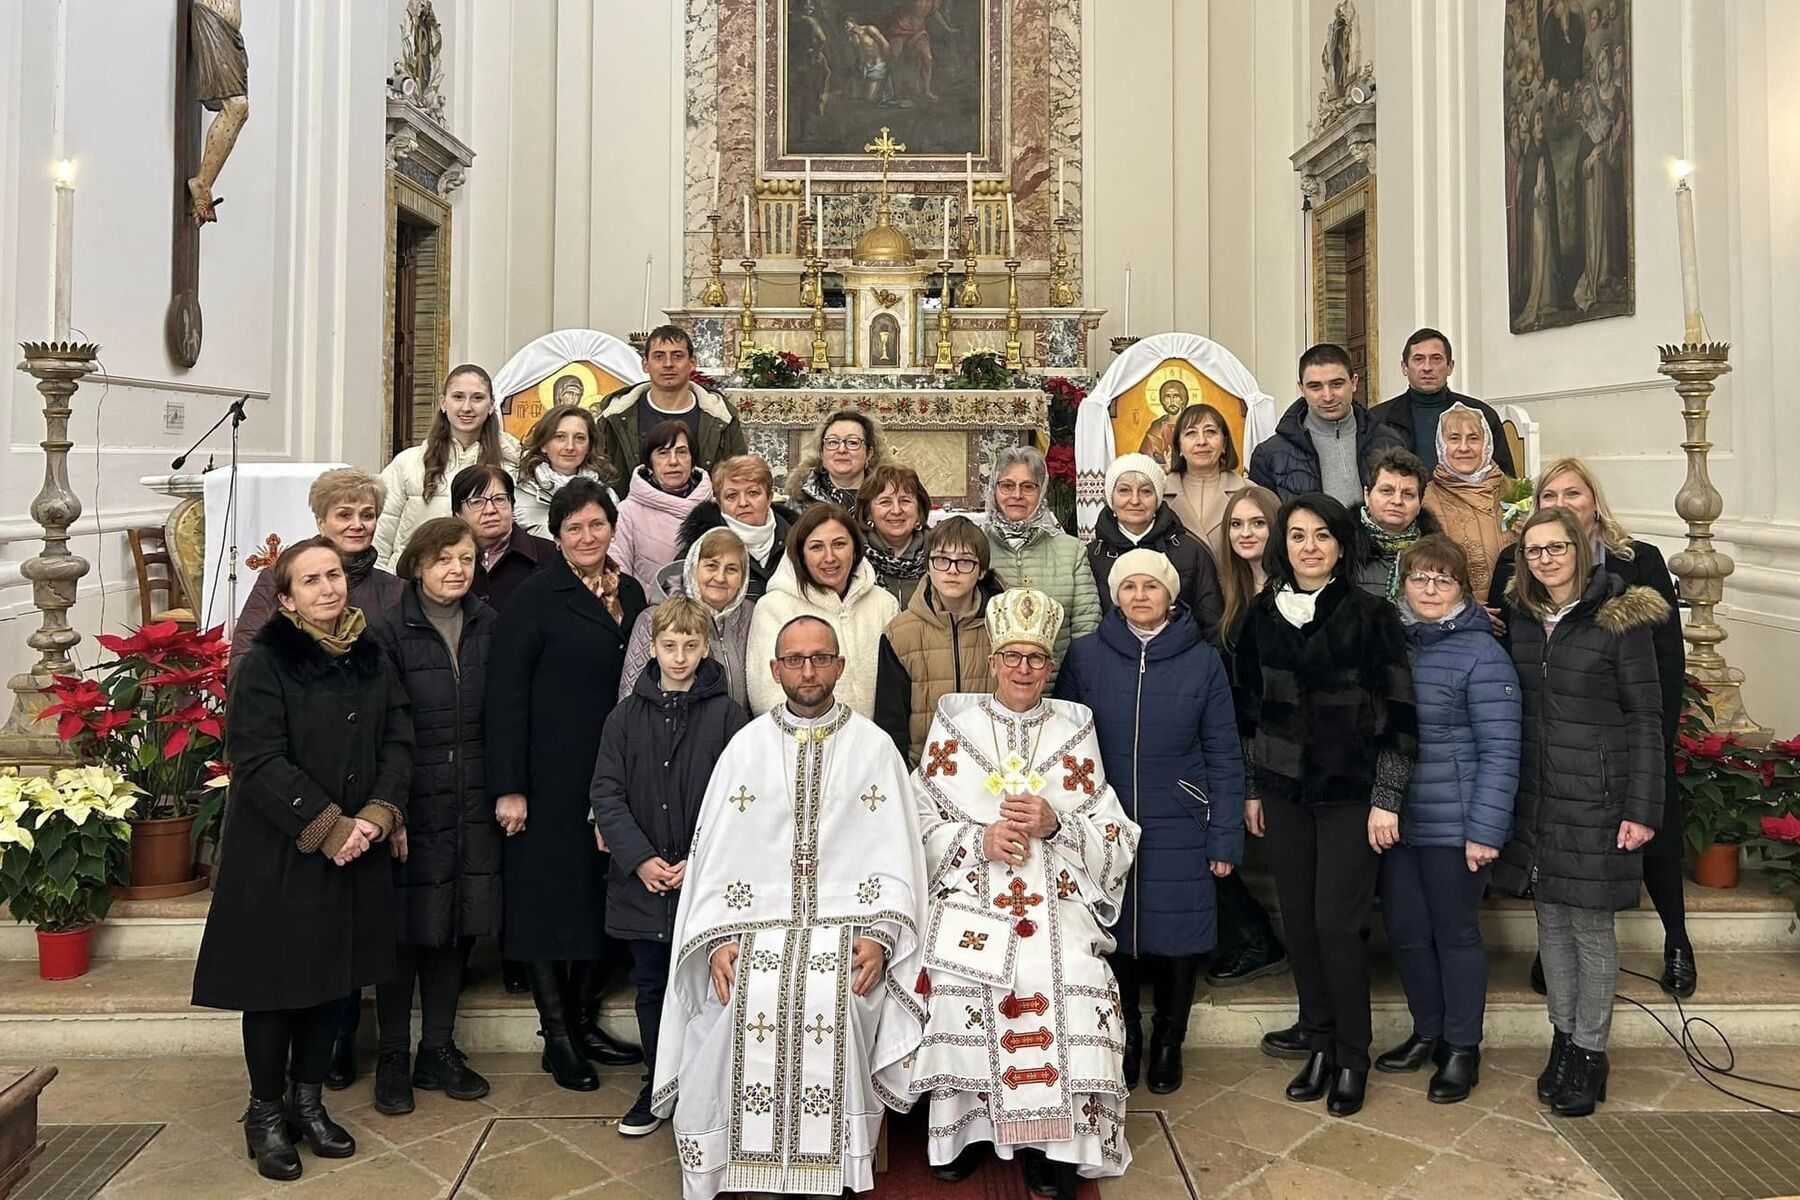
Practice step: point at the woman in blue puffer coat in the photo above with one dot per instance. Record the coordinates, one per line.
(1168, 735)
(1457, 815)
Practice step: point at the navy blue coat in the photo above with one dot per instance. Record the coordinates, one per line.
(1168, 739)
(1466, 693)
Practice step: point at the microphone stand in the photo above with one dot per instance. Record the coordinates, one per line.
(237, 416)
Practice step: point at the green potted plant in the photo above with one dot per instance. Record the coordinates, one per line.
(156, 716)
(63, 843)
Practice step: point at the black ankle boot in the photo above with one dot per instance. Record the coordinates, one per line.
(1131, 1014)
(308, 1120)
(393, 1084)
(1585, 1085)
(1286, 1043)
(1679, 978)
(1313, 1078)
(1134, 1052)
(1175, 989)
(446, 1069)
(1347, 1087)
(1556, 1070)
(342, 1071)
(1410, 1055)
(584, 1006)
(1458, 1072)
(266, 1138)
(562, 1058)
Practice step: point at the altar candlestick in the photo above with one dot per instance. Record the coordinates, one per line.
(1012, 242)
(715, 203)
(1127, 299)
(806, 196)
(946, 254)
(63, 280)
(1690, 267)
(819, 228)
(746, 199)
(969, 184)
(648, 259)
(1060, 181)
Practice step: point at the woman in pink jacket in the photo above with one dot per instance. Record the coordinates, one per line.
(665, 491)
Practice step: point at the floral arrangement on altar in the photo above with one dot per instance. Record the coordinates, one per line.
(63, 843)
(774, 369)
(155, 715)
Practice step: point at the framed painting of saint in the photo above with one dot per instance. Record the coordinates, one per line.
(1567, 126)
(834, 71)
(1144, 415)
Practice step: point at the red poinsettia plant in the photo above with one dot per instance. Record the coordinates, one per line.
(1728, 785)
(155, 714)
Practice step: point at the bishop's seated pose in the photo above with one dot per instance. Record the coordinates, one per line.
(1027, 851)
(791, 1015)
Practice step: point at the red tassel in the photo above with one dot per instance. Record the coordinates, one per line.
(1025, 927)
(923, 986)
(1009, 1007)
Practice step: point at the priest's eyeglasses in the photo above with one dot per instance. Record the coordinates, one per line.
(1033, 661)
(1549, 550)
(794, 662)
(954, 566)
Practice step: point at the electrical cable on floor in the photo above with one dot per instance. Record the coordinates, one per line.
(1703, 1066)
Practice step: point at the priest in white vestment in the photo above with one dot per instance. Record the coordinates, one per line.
(791, 1014)
(1026, 853)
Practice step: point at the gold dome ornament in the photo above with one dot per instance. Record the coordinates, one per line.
(882, 245)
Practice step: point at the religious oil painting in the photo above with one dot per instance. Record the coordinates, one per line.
(1144, 414)
(926, 69)
(582, 383)
(1567, 110)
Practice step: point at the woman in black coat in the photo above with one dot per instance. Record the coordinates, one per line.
(318, 736)
(1135, 518)
(1570, 483)
(1590, 783)
(552, 679)
(447, 861)
(1325, 706)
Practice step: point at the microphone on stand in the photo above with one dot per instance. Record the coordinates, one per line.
(235, 414)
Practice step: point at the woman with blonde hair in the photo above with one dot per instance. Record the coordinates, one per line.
(565, 444)
(1466, 491)
(1244, 525)
(465, 430)
(1571, 483)
(848, 447)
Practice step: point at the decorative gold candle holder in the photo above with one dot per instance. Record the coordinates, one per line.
(804, 238)
(1062, 289)
(1014, 361)
(944, 360)
(747, 318)
(969, 295)
(713, 294)
(1701, 569)
(821, 361)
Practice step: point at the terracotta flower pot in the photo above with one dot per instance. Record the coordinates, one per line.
(1717, 866)
(162, 859)
(64, 955)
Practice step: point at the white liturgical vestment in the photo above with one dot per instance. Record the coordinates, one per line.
(807, 840)
(1023, 1043)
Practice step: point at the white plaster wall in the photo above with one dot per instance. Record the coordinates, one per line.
(290, 276)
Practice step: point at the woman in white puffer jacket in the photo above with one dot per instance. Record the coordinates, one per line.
(825, 574)
(465, 431)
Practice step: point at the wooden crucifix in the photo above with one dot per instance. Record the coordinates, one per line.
(211, 71)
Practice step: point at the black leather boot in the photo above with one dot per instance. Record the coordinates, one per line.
(1410, 1055)
(1175, 988)
(585, 987)
(1458, 1072)
(342, 1071)
(393, 1084)
(308, 1121)
(1556, 1070)
(1313, 1078)
(1347, 1087)
(1585, 1084)
(266, 1138)
(562, 1058)
(1126, 971)
(1679, 978)
(1286, 1043)
(1537, 976)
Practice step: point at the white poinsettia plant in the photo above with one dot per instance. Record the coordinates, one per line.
(63, 844)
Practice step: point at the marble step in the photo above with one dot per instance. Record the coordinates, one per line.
(1745, 918)
(139, 1007)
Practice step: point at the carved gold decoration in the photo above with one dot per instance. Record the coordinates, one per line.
(821, 361)
(747, 318)
(886, 298)
(1062, 290)
(713, 294)
(969, 295)
(1014, 360)
(945, 363)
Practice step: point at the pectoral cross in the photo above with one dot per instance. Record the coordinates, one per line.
(1014, 779)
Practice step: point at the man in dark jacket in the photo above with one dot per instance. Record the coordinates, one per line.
(1414, 414)
(1324, 439)
(656, 755)
(628, 415)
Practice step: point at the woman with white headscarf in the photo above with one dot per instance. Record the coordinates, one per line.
(1030, 549)
(1135, 518)
(1466, 491)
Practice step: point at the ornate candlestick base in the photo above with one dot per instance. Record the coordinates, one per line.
(969, 295)
(1014, 360)
(803, 248)
(1702, 570)
(1062, 290)
(24, 741)
(945, 362)
(821, 361)
(1123, 343)
(713, 294)
(747, 318)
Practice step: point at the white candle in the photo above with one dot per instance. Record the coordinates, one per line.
(819, 228)
(806, 195)
(746, 199)
(715, 203)
(1690, 267)
(1060, 181)
(946, 254)
(648, 259)
(1012, 242)
(969, 183)
(1127, 299)
(63, 280)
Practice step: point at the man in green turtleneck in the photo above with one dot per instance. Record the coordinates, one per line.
(1427, 363)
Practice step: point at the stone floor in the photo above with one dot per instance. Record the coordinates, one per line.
(1228, 1132)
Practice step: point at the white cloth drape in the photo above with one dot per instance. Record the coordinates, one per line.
(271, 504)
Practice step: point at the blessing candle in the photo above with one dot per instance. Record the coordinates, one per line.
(806, 195)
(62, 282)
(946, 254)
(1012, 242)
(969, 184)
(648, 259)
(1127, 299)
(715, 203)
(1694, 328)
(1060, 181)
(819, 228)
(746, 199)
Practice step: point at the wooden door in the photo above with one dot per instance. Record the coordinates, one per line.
(406, 333)
(1356, 301)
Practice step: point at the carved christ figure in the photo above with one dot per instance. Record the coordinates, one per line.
(221, 83)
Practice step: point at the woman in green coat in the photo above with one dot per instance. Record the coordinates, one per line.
(1031, 550)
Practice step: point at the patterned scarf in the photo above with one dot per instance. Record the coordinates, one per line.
(818, 486)
(551, 482)
(1017, 533)
(605, 585)
(1389, 546)
(909, 564)
(343, 635)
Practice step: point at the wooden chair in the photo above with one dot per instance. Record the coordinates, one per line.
(156, 573)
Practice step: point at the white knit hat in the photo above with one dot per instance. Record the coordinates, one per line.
(1143, 464)
(1153, 563)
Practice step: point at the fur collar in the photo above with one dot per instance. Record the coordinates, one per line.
(302, 658)
(1637, 607)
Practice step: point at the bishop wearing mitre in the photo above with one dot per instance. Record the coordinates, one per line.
(1026, 854)
(792, 1013)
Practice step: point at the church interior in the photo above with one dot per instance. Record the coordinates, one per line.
(997, 222)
